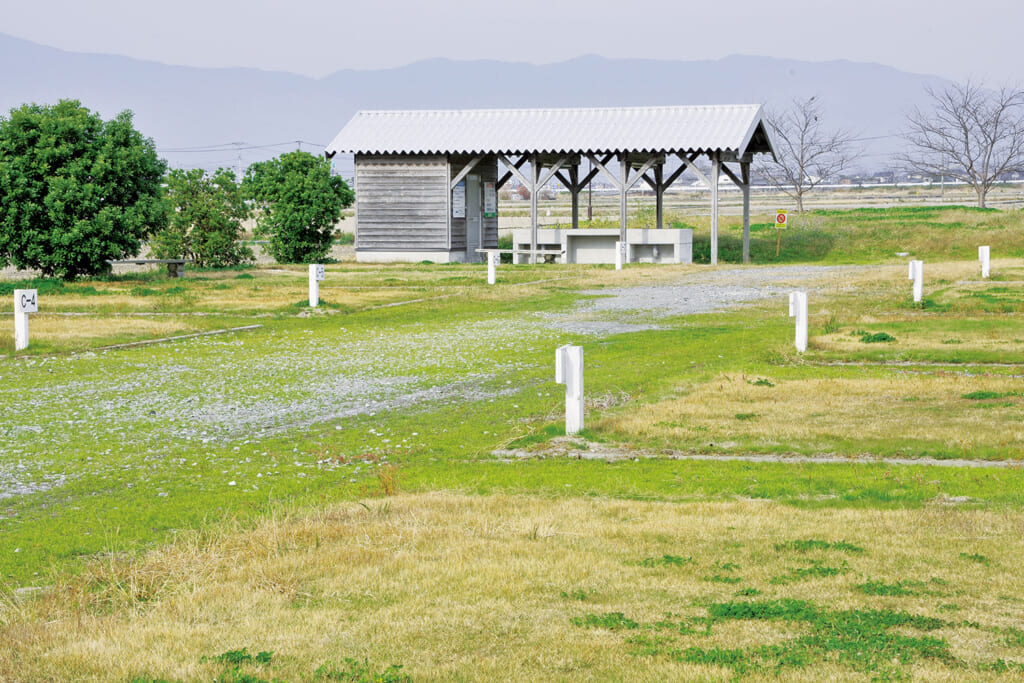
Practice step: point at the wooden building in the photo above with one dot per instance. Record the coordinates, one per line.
(426, 182)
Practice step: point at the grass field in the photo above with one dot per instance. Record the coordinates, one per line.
(379, 490)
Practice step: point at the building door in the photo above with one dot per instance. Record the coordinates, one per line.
(474, 219)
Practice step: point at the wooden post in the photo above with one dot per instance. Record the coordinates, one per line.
(623, 207)
(659, 193)
(534, 175)
(574, 190)
(745, 176)
(716, 170)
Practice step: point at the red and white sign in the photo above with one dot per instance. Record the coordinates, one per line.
(781, 219)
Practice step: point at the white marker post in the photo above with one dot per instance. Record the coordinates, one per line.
(569, 371)
(493, 259)
(798, 309)
(983, 256)
(25, 301)
(917, 275)
(618, 255)
(316, 275)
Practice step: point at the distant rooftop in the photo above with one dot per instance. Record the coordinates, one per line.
(737, 129)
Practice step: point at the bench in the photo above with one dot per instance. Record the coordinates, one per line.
(175, 266)
(549, 254)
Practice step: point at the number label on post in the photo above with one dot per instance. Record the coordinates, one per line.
(26, 301)
(320, 273)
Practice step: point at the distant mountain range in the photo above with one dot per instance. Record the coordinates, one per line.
(223, 117)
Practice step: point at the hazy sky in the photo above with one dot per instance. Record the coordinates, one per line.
(956, 39)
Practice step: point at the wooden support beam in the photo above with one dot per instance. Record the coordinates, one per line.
(574, 191)
(716, 167)
(551, 172)
(643, 169)
(565, 181)
(732, 176)
(461, 175)
(745, 186)
(514, 169)
(600, 166)
(659, 195)
(688, 163)
(623, 207)
(534, 172)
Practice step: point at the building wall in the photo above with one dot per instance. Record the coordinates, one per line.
(402, 203)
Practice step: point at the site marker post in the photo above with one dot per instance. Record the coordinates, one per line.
(619, 248)
(984, 256)
(569, 371)
(316, 275)
(493, 258)
(798, 310)
(917, 275)
(25, 301)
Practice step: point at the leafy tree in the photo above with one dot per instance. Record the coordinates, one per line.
(75, 191)
(806, 153)
(300, 204)
(972, 134)
(206, 222)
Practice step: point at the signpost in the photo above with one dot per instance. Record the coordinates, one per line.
(984, 255)
(493, 259)
(918, 275)
(25, 301)
(798, 310)
(781, 223)
(569, 371)
(316, 276)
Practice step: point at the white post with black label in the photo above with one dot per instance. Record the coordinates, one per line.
(316, 275)
(569, 371)
(493, 259)
(984, 256)
(25, 301)
(917, 275)
(798, 310)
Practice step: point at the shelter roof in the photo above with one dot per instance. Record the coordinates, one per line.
(738, 129)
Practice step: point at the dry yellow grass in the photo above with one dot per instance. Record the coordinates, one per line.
(481, 588)
(901, 406)
(74, 328)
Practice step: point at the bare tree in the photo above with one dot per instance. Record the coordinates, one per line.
(806, 153)
(973, 135)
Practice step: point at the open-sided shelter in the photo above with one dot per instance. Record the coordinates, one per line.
(426, 182)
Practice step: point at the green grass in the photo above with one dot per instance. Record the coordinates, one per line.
(128, 480)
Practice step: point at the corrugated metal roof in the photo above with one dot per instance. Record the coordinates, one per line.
(518, 131)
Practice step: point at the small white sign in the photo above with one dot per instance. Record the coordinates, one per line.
(490, 201)
(320, 273)
(26, 301)
(459, 200)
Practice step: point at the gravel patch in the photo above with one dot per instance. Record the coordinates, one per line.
(636, 309)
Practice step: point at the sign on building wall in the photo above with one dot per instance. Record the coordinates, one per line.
(490, 201)
(459, 200)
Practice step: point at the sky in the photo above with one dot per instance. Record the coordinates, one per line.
(955, 39)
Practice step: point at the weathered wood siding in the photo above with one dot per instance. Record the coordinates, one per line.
(402, 202)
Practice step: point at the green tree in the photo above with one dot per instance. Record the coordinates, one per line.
(206, 219)
(75, 191)
(300, 202)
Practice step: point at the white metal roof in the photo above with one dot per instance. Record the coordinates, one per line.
(735, 128)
